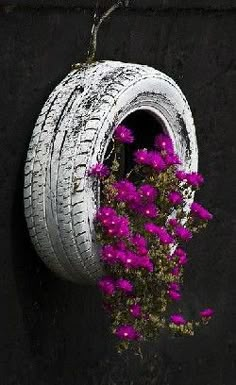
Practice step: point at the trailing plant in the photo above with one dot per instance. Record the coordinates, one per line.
(143, 220)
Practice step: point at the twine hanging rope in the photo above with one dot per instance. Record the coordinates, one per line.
(97, 22)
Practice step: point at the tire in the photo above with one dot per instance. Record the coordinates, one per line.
(72, 132)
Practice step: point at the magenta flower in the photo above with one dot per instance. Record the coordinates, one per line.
(123, 135)
(146, 263)
(181, 175)
(106, 211)
(115, 226)
(179, 252)
(109, 254)
(176, 271)
(178, 319)
(149, 210)
(139, 241)
(194, 179)
(164, 143)
(174, 286)
(128, 259)
(141, 156)
(107, 285)
(99, 170)
(207, 313)
(183, 233)
(175, 198)
(199, 211)
(163, 235)
(108, 221)
(136, 310)
(123, 230)
(124, 285)
(127, 332)
(147, 192)
(174, 291)
(140, 244)
(172, 159)
(150, 228)
(156, 161)
(173, 222)
(182, 256)
(134, 201)
(126, 191)
(174, 295)
(104, 214)
(142, 251)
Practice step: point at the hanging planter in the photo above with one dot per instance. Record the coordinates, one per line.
(73, 131)
(110, 178)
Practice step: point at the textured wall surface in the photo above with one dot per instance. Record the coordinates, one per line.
(53, 332)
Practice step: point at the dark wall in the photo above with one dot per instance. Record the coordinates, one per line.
(54, 332)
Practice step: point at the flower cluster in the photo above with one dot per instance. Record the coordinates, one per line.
(142, 220)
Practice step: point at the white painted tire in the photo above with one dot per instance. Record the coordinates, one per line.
(72, 132)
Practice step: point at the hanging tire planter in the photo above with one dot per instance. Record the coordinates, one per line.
(73, 132)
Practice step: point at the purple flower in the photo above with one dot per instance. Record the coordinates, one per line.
(174, 291)
(127, 332)
(199, 211)
(175, 198)
(175, 271)
(104, 214)
(110, 224)
(148, 193)
(164, 143)
(181, 175)
(172, 159)
(109, 254)
(115, 226)
(150, 228)
(178, 319)
(123, 227)
(140, 244)
(134, 201)
(141, 156)
(183, 233)
(136, 310)
(124, 285)
(156, 161)
(179, 252)
(182, 256)
(107, 285)
(108, 221)
(123, 135)
(194, 179)
(149, 210)
(138, 240)
(146, 263)
(174, 295)
(163, 235)
(173, 222)
(174, 286)
(126, 191)
(207, 313)
(128, 259)
(99, 170)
